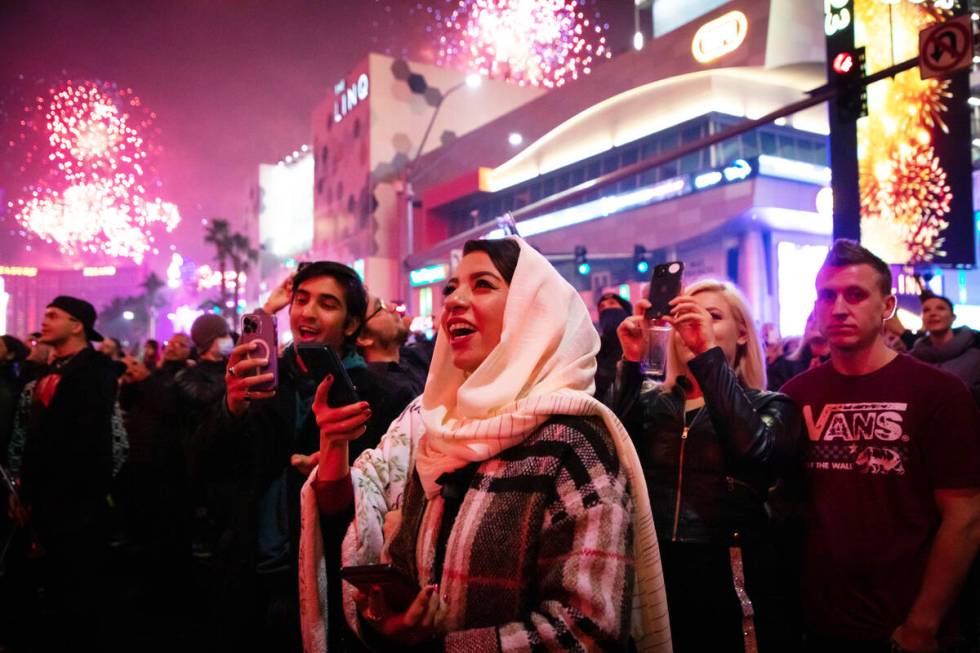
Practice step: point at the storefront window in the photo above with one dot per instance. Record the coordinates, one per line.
(425, 302)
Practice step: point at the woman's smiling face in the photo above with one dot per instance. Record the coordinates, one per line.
(473, 314)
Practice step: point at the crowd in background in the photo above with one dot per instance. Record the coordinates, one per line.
(162, 498)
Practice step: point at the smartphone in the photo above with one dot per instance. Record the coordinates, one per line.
(320, 360)
(399, 590)
(665, 284)
(260, 328)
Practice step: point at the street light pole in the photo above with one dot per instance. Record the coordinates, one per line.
(473, 81)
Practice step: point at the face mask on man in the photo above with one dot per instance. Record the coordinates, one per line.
(610, 319)
(225, 345)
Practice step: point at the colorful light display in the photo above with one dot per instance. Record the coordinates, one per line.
(913, 187)
(528, 42)
(90, 194)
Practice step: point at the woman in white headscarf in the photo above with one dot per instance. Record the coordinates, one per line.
(506, 491)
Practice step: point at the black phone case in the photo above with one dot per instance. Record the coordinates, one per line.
(321, 360)
(398, 589)
(664, 286)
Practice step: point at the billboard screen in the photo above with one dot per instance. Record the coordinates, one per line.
(903, 173)
(286, 210)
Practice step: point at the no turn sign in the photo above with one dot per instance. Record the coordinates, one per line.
(946, 48)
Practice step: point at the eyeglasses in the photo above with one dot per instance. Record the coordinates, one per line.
(381, 307)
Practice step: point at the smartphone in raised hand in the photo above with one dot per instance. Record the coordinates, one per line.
(665, 284)
(321, 360)
(260, 328)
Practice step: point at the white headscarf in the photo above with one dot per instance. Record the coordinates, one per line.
(544, 365)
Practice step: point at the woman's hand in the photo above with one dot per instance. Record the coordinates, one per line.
(692, 326)
(420, 623)
(280, 296)
(239, 379)
(632, 333)
(338, 422)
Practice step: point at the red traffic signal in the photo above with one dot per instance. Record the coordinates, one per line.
(843, 63)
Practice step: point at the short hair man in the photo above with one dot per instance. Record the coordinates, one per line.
(67, 468)
(270, 438)
(391, 382)
(892, 473)
(955, 350)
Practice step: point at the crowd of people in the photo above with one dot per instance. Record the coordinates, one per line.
(519, 482)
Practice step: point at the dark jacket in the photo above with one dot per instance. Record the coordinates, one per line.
(10, 387)
(255, 452)
(67, 466)
(785, 368)
(154, 418)
(960, 356)
(713, 486)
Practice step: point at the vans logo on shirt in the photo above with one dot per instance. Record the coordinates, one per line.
(880, 460)
(855, 422)
(862, 437)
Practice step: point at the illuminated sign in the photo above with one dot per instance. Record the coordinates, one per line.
(708, 179)
(104, 271)
(836, 16)
(428, 275)
(346, 97)
(902, 174)
(720, 36)
(737, 171)
(17, 271)
(809, 173)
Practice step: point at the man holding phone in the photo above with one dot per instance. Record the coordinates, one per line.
(270, 438)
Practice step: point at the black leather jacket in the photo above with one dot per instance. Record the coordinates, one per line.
(712, 486)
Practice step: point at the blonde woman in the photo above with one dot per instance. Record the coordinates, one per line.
(511, 496)
(712, 441)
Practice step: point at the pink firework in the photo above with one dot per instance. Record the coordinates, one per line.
(535, 42)
(93, 197)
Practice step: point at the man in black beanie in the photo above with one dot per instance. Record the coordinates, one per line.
(67, 472)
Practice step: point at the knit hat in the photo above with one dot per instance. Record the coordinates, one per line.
(206, 329)
(82, 311)
(628, 307)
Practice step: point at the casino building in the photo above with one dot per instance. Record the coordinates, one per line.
(410, 162)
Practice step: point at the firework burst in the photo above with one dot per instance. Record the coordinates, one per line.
(528, 42)
(90, 163)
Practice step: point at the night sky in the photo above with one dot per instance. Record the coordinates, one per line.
(232, 82)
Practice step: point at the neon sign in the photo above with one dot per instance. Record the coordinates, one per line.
(17, 271)
(836, 16)
(347, 97)
(428, 275)
(104, 271)
(720, 36)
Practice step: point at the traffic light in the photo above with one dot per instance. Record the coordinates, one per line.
(582, 261)
(640, 262)
(848, 68)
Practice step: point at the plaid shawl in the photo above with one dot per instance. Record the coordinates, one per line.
(539, 554)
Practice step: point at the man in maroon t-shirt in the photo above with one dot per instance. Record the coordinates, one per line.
(892, 475)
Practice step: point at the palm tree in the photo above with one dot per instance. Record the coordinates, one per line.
(219, 234)
(151, 286)
(242, 256)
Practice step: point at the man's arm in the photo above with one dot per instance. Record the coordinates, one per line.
(953, 551)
